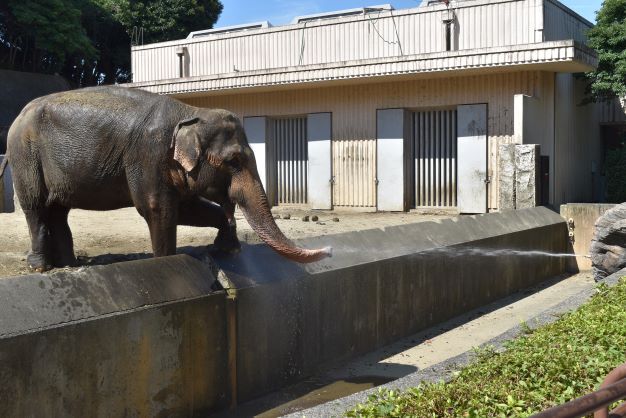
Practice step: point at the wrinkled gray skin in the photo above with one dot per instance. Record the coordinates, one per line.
(106, 148)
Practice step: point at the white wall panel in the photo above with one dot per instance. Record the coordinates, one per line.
(256, 131)
(354, 173)
(472, 158)
(319, 126)
(390, 140)
(562, 23)
(478, 24)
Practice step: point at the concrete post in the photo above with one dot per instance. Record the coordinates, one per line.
(506, 165)
(319, 134)
(527, 186)
(390, 137)
(256, 131)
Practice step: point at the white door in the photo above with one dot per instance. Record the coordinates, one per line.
(472, 158)
(319, 133)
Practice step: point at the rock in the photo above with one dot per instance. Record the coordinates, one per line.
(335, 219)
(305, 218)
(276, 216)
(314, 218)
(287, 216)
(527, 194)
(506, 162)
(608, 246)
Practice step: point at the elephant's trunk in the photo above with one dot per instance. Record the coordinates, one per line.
(247, 191)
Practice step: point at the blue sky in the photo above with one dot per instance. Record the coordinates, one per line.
(282, 11)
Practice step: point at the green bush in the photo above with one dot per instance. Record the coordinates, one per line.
(544, 368)
(615, 166)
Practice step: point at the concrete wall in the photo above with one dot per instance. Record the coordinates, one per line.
(150, 337)
(378, 287)
(581, 229)
(140, 339)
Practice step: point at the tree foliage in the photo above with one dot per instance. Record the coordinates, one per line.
(88, 41)
(608, 38)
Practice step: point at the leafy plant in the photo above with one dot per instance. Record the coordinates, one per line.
(543, 368)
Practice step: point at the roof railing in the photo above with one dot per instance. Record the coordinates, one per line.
(228, 29)
(342, 13)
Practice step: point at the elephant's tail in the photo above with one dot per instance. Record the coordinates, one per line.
(3, 165)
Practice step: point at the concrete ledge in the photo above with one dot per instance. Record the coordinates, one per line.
(584, 217)
(381, 285)
(141, 338)
(150, 338)
(445, 370)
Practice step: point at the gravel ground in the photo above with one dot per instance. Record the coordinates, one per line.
(103, 237)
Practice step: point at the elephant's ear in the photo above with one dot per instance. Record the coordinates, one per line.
(186, 143)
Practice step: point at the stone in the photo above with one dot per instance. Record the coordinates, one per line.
(276, 216)
(314, 218)
(527, 192)
(608, 245)
(335, 219)
(506, 191)
(287, 216)
(305, 218)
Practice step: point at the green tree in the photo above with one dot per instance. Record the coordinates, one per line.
(88, 41)
(608, 38)
(40, 34)
(164, 20)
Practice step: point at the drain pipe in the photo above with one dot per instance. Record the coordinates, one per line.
(231, 337)
(231, 327)
(181, 51)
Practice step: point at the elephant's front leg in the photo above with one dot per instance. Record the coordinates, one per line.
(203, 213)
(161, 214)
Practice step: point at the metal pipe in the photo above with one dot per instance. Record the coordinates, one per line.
(587, 404)
(180, 51)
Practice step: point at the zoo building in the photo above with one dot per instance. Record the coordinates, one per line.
(470, 107)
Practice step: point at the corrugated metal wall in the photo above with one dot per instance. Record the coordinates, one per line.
(420, 30)
(560, 23)
(434, 151)
(288, 165)
(577, 142)
(354, 173)
(354, 107)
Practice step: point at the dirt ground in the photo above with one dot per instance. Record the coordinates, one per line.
(104, 237)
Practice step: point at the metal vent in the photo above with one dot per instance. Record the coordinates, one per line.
(342, 13)
(229, 29)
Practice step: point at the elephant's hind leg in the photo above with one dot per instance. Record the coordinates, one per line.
(61, 237)
(39, 257)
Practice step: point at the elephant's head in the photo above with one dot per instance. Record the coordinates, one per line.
(213, 149)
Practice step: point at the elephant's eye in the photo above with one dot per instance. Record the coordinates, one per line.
(235, 162)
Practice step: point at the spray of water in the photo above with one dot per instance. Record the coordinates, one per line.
(502, 252)
(465, 252)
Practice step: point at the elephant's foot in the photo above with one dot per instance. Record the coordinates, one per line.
(227, 240)
(64, 260)
(37, 262)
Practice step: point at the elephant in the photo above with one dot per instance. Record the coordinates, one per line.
(109, 147)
